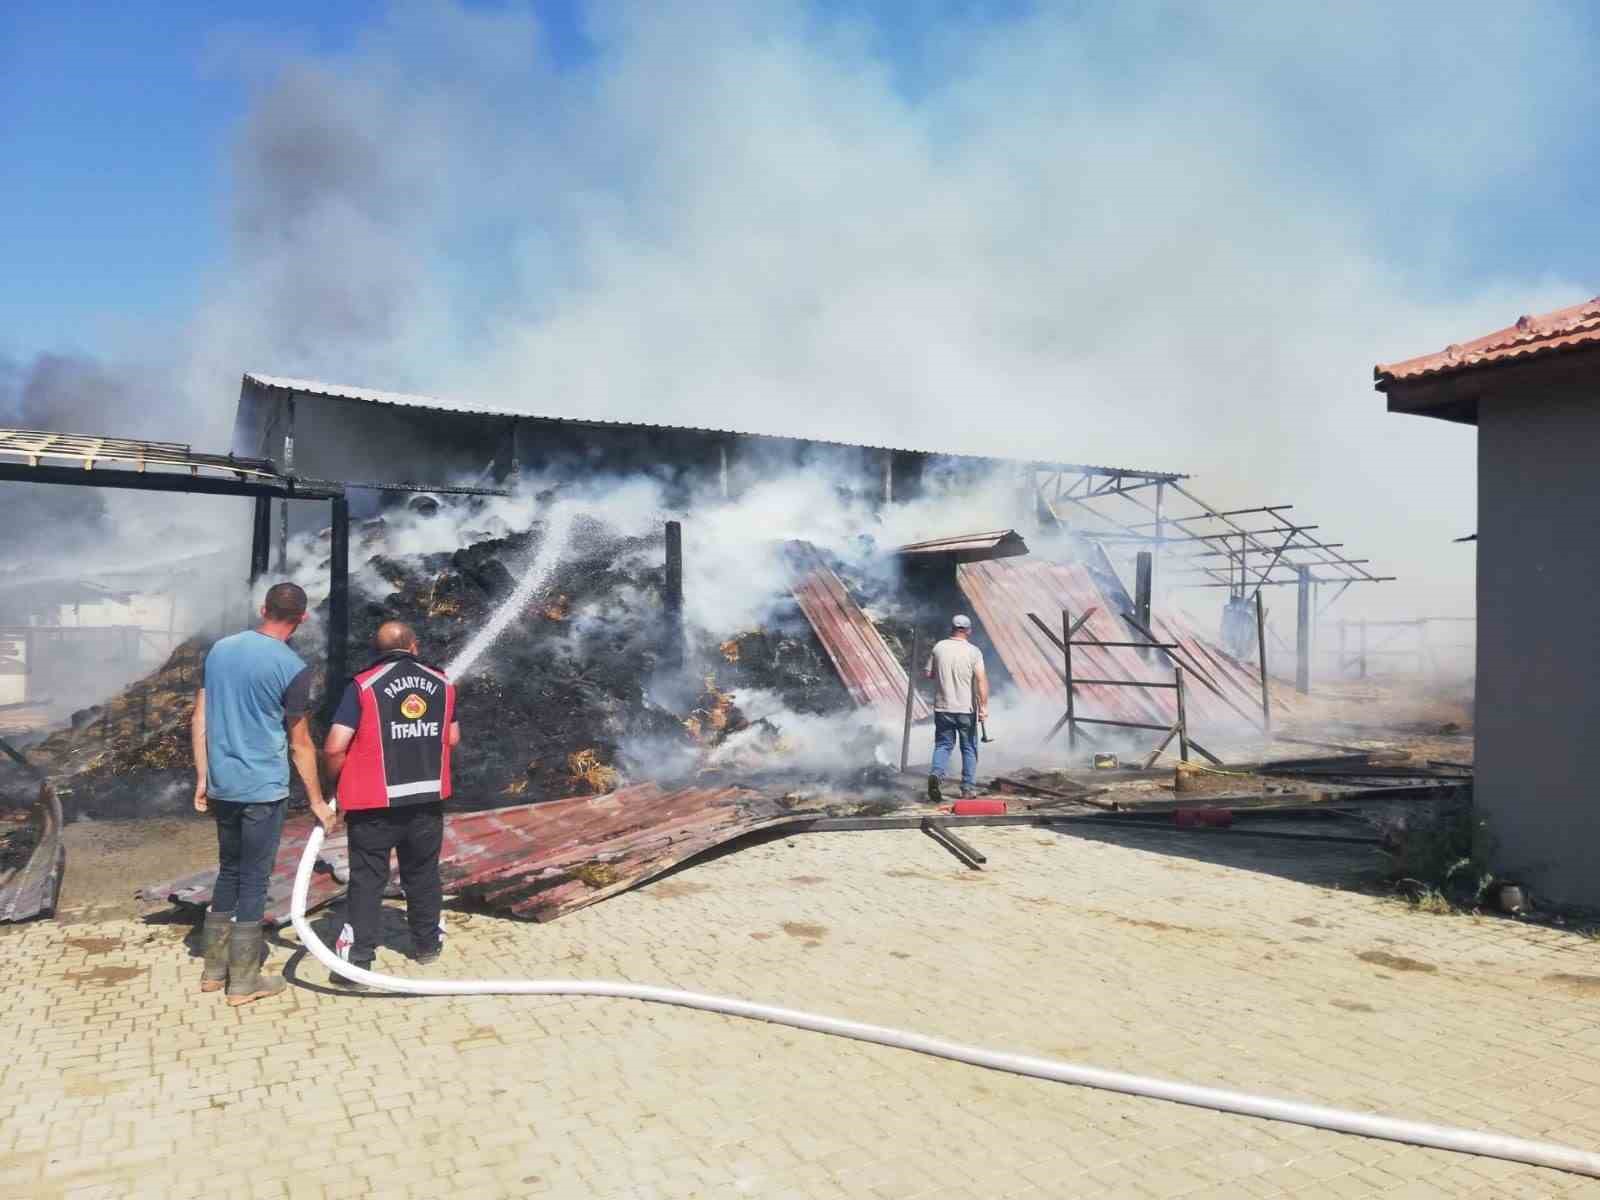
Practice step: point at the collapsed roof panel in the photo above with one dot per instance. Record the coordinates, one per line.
(967, 547)
(537, 860)
(868, 668)
(30, 886)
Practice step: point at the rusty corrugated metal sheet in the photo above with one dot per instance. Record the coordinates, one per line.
(551, 859)
(196, 888)
(1564, 329)
(968, 547)
(1003, 593)
(869, 670)
(537, 860)
(31, 890)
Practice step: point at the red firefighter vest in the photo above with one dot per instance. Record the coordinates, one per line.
(401, 750)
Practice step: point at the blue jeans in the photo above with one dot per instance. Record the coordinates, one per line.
(947, 727)
(247, 847)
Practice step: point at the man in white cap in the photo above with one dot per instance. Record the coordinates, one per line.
(961, 700)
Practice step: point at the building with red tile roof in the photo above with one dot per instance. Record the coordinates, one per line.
(1533, 391)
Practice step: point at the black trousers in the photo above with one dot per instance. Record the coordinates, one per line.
(414, 833)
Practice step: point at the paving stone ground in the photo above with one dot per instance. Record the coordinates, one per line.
(1227, 961)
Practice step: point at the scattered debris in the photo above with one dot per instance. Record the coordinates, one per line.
(33, 861)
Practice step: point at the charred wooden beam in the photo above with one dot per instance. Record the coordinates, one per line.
(672, 599)
(911, 701)
(338, 605)
(260, 538)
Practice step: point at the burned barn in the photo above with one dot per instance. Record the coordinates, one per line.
(331, 431)
(319, 431)
(608, 677)
(1530, 390)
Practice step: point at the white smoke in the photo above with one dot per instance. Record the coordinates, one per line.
(1140, 234)
(1149, 234)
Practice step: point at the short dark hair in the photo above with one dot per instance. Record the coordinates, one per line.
(285, 602)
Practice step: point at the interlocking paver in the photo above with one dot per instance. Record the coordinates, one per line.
(1212, 962)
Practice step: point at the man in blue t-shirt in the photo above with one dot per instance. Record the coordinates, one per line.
(250, 708)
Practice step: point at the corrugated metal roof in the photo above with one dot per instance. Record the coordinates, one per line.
(1004, 592)
(969, 547)
(376, 396)
(1565, 329)
(869, 670)
(312, 387)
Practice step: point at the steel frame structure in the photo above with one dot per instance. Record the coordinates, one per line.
(1271, 554)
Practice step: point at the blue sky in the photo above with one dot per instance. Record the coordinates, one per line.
(120, 121)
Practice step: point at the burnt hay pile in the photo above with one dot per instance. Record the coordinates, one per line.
(547, 711)
(131, 755)
(570, 699)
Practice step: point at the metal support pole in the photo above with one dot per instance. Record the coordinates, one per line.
(1363, 629)
(261, 539)
(911, 695)
(1302, 647)
(1261, 659)
(672, 601)
(1066, 651)
(1183, 721)
(338, 605)
(1141, 588)
(288, 469)
(1161, 490)
(722, 468)
(1344, 660)
(888, 477)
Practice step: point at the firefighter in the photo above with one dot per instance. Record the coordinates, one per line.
(389, 751)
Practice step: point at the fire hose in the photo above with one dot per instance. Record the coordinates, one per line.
(1416, 1133)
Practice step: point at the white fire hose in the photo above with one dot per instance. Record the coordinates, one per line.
(1416, 1133)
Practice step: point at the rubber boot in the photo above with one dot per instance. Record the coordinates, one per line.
(935, 796)
(245, 980)
(214, 938)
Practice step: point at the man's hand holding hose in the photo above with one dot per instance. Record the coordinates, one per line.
(327, 815)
